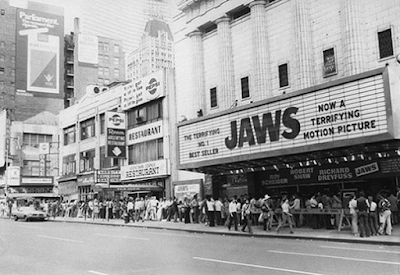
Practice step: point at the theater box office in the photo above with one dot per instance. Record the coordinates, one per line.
(332, 137)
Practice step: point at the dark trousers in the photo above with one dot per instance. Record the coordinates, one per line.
(363, 224)
(373, 224)
(233, 218)
(247, 222)
(211, 218)
(218, 217)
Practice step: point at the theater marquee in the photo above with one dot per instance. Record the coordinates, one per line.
(331, 115)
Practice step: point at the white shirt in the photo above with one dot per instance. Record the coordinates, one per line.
(218, 206)
(373, 206)
(210, 205)
(232, 207)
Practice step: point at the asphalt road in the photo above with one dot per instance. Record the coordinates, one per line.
(67, 248)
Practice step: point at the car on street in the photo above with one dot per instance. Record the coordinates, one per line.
(29, 213)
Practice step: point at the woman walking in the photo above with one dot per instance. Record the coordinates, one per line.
(286, 216)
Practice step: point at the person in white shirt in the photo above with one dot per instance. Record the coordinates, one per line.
(286, 216)
(233, 214)
(210, 211)
(130, 208)
(218, 209)
(354, 216)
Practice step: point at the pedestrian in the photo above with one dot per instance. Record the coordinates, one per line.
(296, 206)
(384, 216)
(393, 208)
(267, 213)
(186, 210)
(354, 215)
(372, 216)
(246, 216)
(363, 208)
(195, 208)
(286, 216)
(96, 209)
(233, 214)
(130, 207)
(218, 211)
(210, 211)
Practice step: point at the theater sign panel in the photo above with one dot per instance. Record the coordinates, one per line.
(344, 112)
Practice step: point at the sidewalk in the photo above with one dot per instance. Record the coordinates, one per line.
(299, 233)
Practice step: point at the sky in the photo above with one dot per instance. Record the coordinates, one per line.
(135, 9)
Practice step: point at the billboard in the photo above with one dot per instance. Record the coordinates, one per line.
(88, 49)
(115, 135)
(39, 44)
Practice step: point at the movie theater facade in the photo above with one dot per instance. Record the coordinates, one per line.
(341, 135)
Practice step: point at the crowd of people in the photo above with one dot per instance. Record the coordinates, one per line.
(369, 215)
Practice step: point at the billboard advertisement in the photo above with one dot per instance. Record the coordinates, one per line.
(39, 44)
(116, 134)
(88, 49)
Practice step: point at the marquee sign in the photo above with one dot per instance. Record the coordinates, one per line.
(144, 90)
(343, 112)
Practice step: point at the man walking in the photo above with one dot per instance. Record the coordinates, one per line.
(233, 214)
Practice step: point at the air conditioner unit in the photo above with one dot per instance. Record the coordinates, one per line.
(141, 115)
(85, 154)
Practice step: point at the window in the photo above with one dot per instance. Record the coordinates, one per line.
(106, 46)
(101, 71)
(86, 163)
(88, 128)
(329, 65)
(102, 124)
(32, 168)
(12, 73)
(116, 48)
(116, 61)
(148, 113)
(146, 151)
(1, 83)
(13, 59)
(69, 135)
(2, 58)
(101, 46)
(116, 73)
(1, 70)
(385, 43)
(244, 82)
(283, 75)
(69, 165)
(106, 59)
(2, 44)
(106, 72)
(34, 139)
(107, 162)
(101, 58)
(13, 45)
(106, 81)
(213, 97)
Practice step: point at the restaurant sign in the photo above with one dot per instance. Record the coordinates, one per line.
(145, 133)
(150, 169)
(340, 113)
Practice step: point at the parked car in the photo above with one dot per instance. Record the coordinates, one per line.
(29, 213)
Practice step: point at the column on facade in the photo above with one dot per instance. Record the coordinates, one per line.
(198, 78)
(260, 73)
(226, 87)
(304, 57)
(352, 36)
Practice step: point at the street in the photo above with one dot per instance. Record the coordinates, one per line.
(66, 248)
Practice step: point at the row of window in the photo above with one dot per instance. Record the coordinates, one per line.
(329, 66)
(32, 168)
(3, 58)
(3, 71)
(106, 59)
(105, 71)
(105, 46)
(3, 45)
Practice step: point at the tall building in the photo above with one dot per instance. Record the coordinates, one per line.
(31, 79)
(155, 51)
(293, 96)
(92, 60)
(121, 20)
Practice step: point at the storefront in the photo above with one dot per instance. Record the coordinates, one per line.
(146, 178)
(68, 189)
(332, 137)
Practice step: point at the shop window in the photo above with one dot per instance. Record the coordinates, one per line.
(213, 97)
(69, 135)
(385, 43)
(244, 82)
(283, 75)
(329, 62)
(88, 129)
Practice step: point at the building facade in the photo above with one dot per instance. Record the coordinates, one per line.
(289, 96)
(155, 51)
(89, 60)
(27, 86)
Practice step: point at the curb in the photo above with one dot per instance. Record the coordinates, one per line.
(276, 236)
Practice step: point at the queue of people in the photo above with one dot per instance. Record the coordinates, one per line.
(369, 215)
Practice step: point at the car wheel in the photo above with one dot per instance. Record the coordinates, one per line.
(26, 218)
(15, 218)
